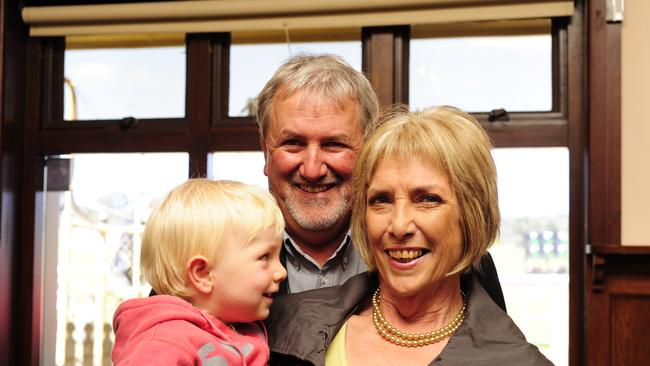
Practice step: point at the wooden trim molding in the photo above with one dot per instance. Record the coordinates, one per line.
(604, 126)
(617, 249)
(14, 350)
(600, 254)
(616, 279)
(577, 141)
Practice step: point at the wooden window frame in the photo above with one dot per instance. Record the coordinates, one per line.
(60, 136)
(388, 47)
(228, 133)
(538, 129)
(385, 52)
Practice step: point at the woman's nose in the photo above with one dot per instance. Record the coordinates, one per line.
(313, 166)
(401, 225)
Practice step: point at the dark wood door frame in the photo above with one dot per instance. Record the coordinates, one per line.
(577, 137)
(617, 278)
(13, 36)
(604, 59)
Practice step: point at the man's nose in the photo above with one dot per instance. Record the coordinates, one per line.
(313, 165)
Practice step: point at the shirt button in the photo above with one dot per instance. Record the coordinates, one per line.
(323, 281)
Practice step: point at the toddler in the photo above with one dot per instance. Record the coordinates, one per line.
(210, 251)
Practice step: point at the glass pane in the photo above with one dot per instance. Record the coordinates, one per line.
(480, 74)
(248, 75)
(126, 82)
(531, 253)
(91, 236)
(247, 167)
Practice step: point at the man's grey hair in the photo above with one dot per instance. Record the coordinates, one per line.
(318, 76)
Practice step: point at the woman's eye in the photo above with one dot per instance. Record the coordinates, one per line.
(431, 198)
(377, 200)
(264, 258)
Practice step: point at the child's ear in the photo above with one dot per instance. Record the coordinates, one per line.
(198, 272)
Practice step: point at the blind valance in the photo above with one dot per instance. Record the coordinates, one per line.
(198, 16)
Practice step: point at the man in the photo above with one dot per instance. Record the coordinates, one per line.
(312, 115)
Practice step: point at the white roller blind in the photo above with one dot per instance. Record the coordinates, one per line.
(259, 15)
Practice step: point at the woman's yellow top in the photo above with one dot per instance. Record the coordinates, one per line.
(335, 354)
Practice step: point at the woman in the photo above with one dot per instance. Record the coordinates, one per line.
(425, 211)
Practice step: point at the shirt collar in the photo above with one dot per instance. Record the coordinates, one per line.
(294, 251)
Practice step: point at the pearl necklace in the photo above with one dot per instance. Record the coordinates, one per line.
(389, 333)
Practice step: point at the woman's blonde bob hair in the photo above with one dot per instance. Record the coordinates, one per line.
(452, 141)
(196, 218)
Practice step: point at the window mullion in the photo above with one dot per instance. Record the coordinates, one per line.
(385, 61)
(198, 98)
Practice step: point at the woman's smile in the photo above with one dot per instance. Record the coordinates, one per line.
(406, 255)
(406, 258)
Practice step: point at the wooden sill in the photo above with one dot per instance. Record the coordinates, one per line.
(615, 249)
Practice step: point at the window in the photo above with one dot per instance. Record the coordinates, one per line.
(116, 83)
(248, 75)
(480, 74)
(480, 69)
(531, 253)
(247, 167)
(91, 236)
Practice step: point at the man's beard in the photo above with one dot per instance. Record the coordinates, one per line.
(319, 213)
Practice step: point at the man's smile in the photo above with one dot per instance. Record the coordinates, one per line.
(315, 188)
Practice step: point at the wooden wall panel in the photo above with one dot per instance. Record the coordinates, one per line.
(618, 304)
(630, 317)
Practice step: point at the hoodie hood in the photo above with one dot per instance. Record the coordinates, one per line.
(135, 316)
(165, 329)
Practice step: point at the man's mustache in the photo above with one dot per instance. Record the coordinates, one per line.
(329, 179)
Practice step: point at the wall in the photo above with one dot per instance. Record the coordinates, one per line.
(635, 165)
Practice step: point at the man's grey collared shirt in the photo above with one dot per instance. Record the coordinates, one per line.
(304, 273)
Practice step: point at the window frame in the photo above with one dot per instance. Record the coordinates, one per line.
(53, 54)
(203, 131)
(385, 51)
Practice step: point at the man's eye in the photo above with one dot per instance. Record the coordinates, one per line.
(291, 142)
(334, 144)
